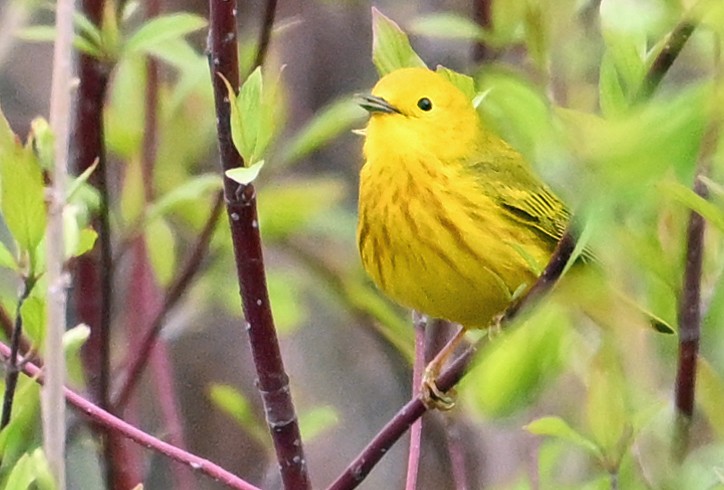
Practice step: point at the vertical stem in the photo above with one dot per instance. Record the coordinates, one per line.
(92, 291)
(420, 323)
(483, 16)
(689, 326)
(53, 401)
(11, 376)
(265, 33)
(93, 271)
(273, 382)
(457, 452)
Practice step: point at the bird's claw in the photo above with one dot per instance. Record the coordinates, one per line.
(432, 397)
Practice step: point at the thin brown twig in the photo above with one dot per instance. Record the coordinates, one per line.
(265, 33)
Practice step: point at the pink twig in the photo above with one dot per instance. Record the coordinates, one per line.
(111, 423)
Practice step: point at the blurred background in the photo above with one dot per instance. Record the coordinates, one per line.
(560, 79)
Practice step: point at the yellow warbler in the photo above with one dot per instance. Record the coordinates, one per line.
(452, 221)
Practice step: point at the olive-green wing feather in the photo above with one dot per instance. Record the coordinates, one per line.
(521, 195)
(529, 201)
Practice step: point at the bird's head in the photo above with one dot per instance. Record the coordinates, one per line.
(418, 110)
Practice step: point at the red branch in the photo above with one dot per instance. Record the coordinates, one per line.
(273, 382)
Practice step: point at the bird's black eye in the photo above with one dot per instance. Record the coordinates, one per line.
(425, 104)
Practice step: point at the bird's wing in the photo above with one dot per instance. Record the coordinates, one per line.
(521, 195)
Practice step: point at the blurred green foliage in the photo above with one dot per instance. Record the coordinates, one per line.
(563, 87)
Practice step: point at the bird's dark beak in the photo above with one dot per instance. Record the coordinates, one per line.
(373, 104)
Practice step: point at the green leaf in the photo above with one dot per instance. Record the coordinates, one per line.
(390, 46)
(248, 103)
(7, 259)
(710, 391)
(233, 403)
(34, 315)
(23, 199)
(30, 471)
(39, 33)
(605, 407)
(447, 25)
(17, 438)
(686, 196)
(513, 371)
(520, 114)
(465, 83)
(289, 207)
(161, 246)
(193, 189)
(361, 298)
(329, 122)
(80, 181)
(612, 98)
(8, 140)
(559, 428)
(125, 110)
(316, 421)
(287, 306)
(161, 29)
(86, 241)
(73, 341)
(74, 338)
(625, 54)
(177, 53)
(245, 175)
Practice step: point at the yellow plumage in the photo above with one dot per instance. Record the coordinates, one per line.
(452, 221)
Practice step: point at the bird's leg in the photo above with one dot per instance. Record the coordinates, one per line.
(432, 397)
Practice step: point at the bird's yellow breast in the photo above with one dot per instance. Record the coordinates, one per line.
(432, 241)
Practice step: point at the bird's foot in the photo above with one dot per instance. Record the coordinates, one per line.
(432, 397)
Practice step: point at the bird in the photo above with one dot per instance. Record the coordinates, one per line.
(452, 220)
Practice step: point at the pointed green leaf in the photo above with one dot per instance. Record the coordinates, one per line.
(288, 208)
(390, 46)
(559, 428)
(34, 315)
(6, 258)
(329, 122)
(447, 25)
(233, 403)
(73, 340)
(288, 308)
(193, 189)
(316, 421)
(175, 52)
(8, 140)
(23, 198)
(86, 240)
(79, 181)
(605, 409)
(245, 175)
(465, 83)
(248, 104)
(161, 29)
(710, 388)
(23, 473)
(686, 196)
(161, 246)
